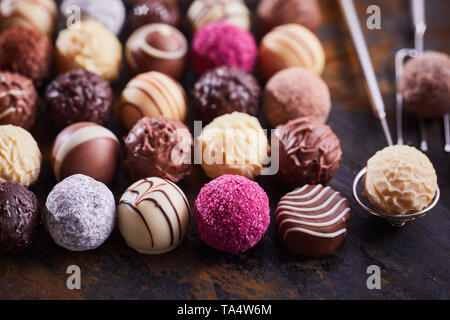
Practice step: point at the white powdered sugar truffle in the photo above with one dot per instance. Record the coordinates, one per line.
(80, 213)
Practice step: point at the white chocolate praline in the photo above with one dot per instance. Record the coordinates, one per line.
(233, 144)
(153, 216)
(400, 180)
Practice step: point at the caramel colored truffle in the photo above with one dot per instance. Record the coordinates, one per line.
(425, 84)
(26, 51)
(153, 11)
(19, 101)
(290, 45)
(294, 93)
(89, 46)
(272, 13)
(400, 180)
(34, 14)
(157, 47)
(152, 94)
(20, 158)
(309, 152)
(233, 144)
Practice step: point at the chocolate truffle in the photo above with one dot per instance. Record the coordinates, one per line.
(400, 180)
(157, 47)
(232, 213)
(153, 11)
(202, 12)
(111, 13)
(19, 217)
(77, 96)
(294, 93)
(89, 46)
(34, 14)
(224, 90)
(80, 213)
(425, 84)
(309, 152)
(153, 216)
(158, 147)
(88, 149)
(233, 143)
(152, 94)
(19, 101)
(223, 44)
(312, 220)
(26, 51)
(290, 45)
(272, 13)
(20, 157)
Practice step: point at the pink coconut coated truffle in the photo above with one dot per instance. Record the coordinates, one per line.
(232, 213)
(223, 44)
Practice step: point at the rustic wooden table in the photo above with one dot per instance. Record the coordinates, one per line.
(414, 260)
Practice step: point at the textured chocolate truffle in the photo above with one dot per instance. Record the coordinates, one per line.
(27, 52)
(153, 11)
(86, 148)
(425, 84)
(225, 90)
(157, 47)
(80, 213)
(78, 96)
(158, 147)
(296, 92)
(19, 101)
(19, 217)
(312, 220)
(309, 152)
(272, 13)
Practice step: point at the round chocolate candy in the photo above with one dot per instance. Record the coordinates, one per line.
(157, 47)
(88, 149)
(153, 11)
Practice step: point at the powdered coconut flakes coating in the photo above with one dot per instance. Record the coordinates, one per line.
(80, 213)
(232, 213)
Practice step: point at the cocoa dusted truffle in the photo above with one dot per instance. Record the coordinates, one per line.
(225, 90)
(19, 217)
(425, 84)
(272, 13)
(158, 147)
(78, 96)
(153, 11)
(27, 52)
(309, 152)
(19, 101)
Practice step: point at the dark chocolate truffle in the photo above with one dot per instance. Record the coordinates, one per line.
(78, 96)
(153, 11)
(158, 147)
(26, 51)
(19, 101)
(225, 90)
(272, 13)
(309, 152)
(19, 217)
(157, 47)
(425, 84)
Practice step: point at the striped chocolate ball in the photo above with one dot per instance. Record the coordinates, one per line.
(152, 94)
(86, 148)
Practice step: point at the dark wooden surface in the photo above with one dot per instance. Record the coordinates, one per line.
(414, 259)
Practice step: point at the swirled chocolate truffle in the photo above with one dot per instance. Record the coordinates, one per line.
(225, 90)
(78, 96)
(425, 84)
(19, 217)
(309, 152)
(153, 11)
(27, 52)
(19, 101)
(158, 147)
